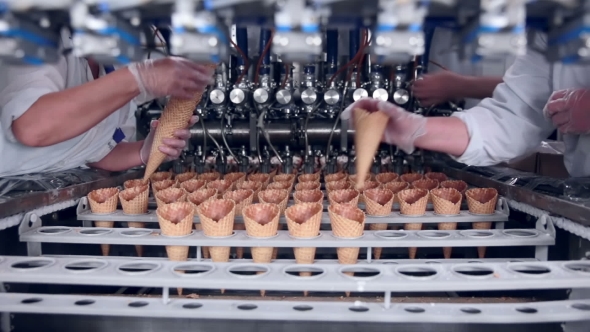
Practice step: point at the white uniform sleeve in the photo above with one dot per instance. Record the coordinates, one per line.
(511, 123)
(22, 86)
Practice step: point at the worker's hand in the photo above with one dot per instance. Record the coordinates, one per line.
(434, 89)
(569, 110)
(172, 76)
(171, 147)
(403, 127)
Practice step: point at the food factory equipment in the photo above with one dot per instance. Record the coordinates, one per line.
(286, 71)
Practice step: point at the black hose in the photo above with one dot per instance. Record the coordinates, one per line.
(337, 118)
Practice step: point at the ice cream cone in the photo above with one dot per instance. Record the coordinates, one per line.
(344, 196)
(242, 198)
(135, 201)
(260, 177)
(411, 177)
(377, 227)
(425, 184)
(135, 183)
(396, 187)
(337, 185)
(446, 201)
(308, 186)
(160, 176)
(275, 196)
(482, 201)
(308, 196)
(161, 185)
(104, 201)
(217, 219)
(262, 221)
(459, 185)
(384, 178)
(209, 176)
(286, 185)
(190, 186)
(335, 177)
(440, 177)
(369, 128)
(315, 177)
(378, 201)
(170, 195)
(366, 186)
(252, 185)
(284, 178)
(235, 178)
(413, 203)
(176, 219)
(221, 185)
(303, 221)
(183, 177)
(354, 178)
(198, 197)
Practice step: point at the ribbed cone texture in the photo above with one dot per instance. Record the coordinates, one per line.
(275, 196)
(369, 129)
(160, 176)
(210, 176)
(217, 219)
(378, 202)
(308, 196)
(135, 183)
(198, 197)
(239, 250)
(163, 184)
(344, 196)
(176, 219)
(170, 195)
(183, 177)
(395, 188)
(176, 115)
(260, 177)
(235, 178)
(384, 178)
(459, 185)
(252, 185)
(377, 227)
(138, 249)
(192, 185)
(446, 201)
(286, 185)
(337, 185)
(104, 201)
(354, 178)
(482, 200)
(366, 185)
(242, 198)
(440, 177)
(221, 185)
(204, 250)
(412, 227)
(426, 185)
(303, 221)
(347, 221)
(135, 200)
(413, 201)
(335, 177)
(481, 251)
(411, 177)
(315, 177)
(262, 221)
(308, 186)
(447, 226)
(284, 178)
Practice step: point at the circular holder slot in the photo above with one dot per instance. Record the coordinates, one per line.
(360, 272)
(193, 305)
(414, 310)
(53, 230)
(84, 302)
(530, 269)
(87, 265)
(136, 232)
(138, 268)
(233, 233)
(303, 307)
(96, 231)
(358, 308)
(192, 269)
(178, 236)
(31, 300)
(471, 311)
(435, 235)
(477, 233)
(417, 272)
(522, 233)
(247, 306)
(580, 267)
(249, 271)
(296, 270)
(391, 235)
(473, 271)
(32, 264)
(138, 304)
(581, 306)
(527, 310)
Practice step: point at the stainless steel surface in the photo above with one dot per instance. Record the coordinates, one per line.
(217, 96)
(401, 96)
(381, 94)
(261, 95)
(359, 93)
(309, 96)
(237, 96)
(332, 97)
(284, 96)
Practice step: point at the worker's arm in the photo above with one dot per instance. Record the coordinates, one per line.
(124, 156)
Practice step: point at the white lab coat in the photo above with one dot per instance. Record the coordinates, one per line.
(444, 50)
(511, 123)
(21, 86)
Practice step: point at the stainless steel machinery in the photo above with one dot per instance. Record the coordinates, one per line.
(286, 71)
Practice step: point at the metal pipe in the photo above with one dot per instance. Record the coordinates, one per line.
(225, 141)
(266, 136)
(332, 51)
(337, 119)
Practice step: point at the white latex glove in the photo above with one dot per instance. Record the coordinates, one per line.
(403, 127)
(569, 110)
(172, 147)
(172, 76)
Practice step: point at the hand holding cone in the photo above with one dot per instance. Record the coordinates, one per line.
(104, 201)
(308, 196)
(482, 201)
(446, 201)
(413, 203)
(135, 201)
(170, 195)
(344, 196)
(369, 129)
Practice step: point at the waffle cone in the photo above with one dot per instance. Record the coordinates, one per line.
(235, 178)
(284, 178)
(242, 198)
(210, 176)
(104, 248)
(304, 219)
(198, 197)
(135, 183)
(446, 201)
(275, 196)
(347, 221)
(315, 177)
(447, 226)
(262, 221)
(335, 177)
(387, 177)
(221, 185)
(199, 228)
(395, 188)
(369, 128)
(217, 219)
(344, 196)
(163, 184)
(190, 186)
(425, 184)
(337, 185)
(175, 116)
(103, 200)
(482, 200)
(183, 177)
(378, 202)
(138, 249)
(135, 200)
(260, 177)
(170, 195)
(377, 227)
(413, 201)
(252, 185)
(308, 196)
(160, 176)
(311, 185)
(481, 251)
(459, 185)
(286, 185)
(411, 177)
(440, 177)
(366, 185)
(412, 227)
(353, 178)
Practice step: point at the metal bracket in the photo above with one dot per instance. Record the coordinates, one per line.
(82, 208)
(30, 222)
(544, 224)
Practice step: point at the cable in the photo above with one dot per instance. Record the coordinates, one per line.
(337, 120)
(438, 64)
(366, 43)
(246, 62)
(225, 141)
(287, 70)
(262, 55)
(265, 134)
(341, 69)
